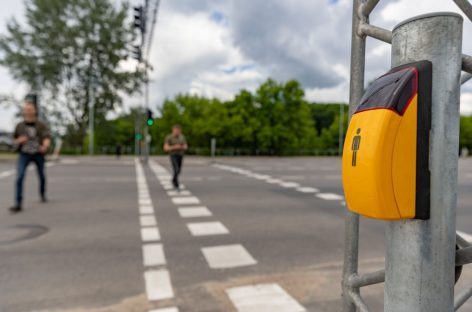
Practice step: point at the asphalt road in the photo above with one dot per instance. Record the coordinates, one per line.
(244, 232)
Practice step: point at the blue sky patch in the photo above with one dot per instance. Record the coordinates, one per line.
(240, 68)
(218, 17)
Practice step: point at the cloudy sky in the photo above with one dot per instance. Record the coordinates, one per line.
(217, 47)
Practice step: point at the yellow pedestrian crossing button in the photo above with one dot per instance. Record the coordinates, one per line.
(386, 152)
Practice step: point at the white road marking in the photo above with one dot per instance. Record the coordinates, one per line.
(307, 190)
(228, 256)
(158, 285)
(292, 177)
(153, 255)
(7, 173)
(465, 236)
(207, 228)
(289, 184)
(274, 181)
(168, 187)
(166, 310)
(192, 200)
(192, 212)
(147, 220)
(262, 177)
(263, 297)
(69, 161)
(329, 196)
(146, 209)
(145, 202)
(179, 193)
(150, 234)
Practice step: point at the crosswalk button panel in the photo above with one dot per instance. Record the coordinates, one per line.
(386, 152)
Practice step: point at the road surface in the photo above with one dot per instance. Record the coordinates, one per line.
(245, 234)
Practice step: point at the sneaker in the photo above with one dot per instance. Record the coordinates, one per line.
(44, 199)
(15, 209)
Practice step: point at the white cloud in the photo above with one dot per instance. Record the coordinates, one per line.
(336, 94)
(217, 47)
(466, 103)
(192, 53)
(218, 84)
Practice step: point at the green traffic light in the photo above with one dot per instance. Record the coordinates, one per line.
(150, 122)
(139, 136)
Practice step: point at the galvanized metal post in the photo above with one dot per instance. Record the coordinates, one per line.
(351, 240)
(91, 107)
(147, 137)
(136, 132)
(213, 148)
(420, 254)
(341, 129)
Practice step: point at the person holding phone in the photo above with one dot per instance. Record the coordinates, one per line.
(176, 145)
(32, 139)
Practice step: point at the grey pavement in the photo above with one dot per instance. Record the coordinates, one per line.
(82, 251)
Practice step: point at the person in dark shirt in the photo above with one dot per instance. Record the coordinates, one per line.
(32, 138)
(176, 145)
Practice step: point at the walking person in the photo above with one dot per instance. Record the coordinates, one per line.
(118, 151)
(32, 138)
(176, 145)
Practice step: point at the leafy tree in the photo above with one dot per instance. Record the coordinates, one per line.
(285, 122)
(465, 138)
(329, 138)
(323, 114)
(243, 122)
(276, 120)
(72, 51)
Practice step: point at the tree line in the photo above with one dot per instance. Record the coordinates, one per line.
(276, 119)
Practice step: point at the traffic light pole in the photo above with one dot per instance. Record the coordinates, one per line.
(91, 118)
(420, 259)
(146, 126)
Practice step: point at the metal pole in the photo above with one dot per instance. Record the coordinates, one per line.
(213, 148)
(341, 129)
(351, 238)
(368, 6)
(465, 6)
(136, 132)
(420, 254)
(91, 119)
(376, 32)
(465, 77)
(463, 296)
(146, 126)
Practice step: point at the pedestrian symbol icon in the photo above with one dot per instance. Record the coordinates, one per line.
(356, 144)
